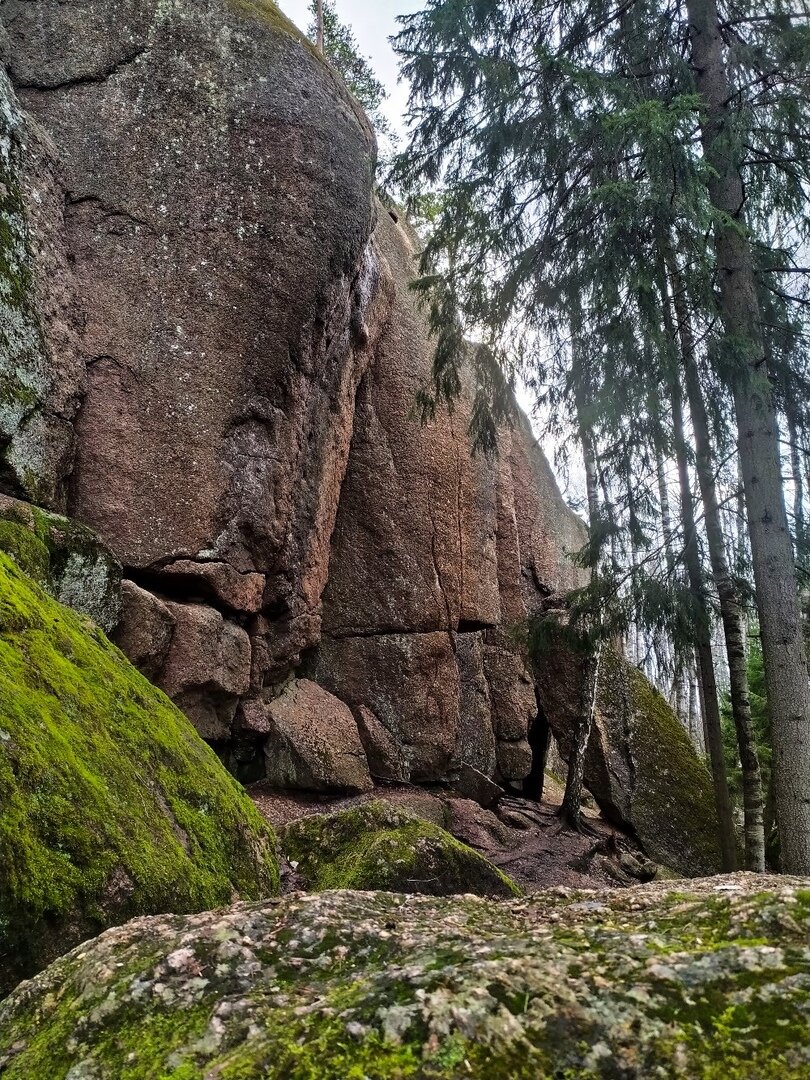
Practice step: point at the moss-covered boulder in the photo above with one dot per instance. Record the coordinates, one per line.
(640, 766)
(710, 983)
(379, 846)
(66, 558)
(110, 803)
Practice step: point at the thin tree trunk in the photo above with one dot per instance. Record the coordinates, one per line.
(571, 809)
(785, 662)
(319, 25)
(731, 610)
(703, 647)
(678, 682)
(798, 484)
(696, 721)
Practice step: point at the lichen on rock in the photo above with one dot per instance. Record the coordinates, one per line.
(65, 558)
(378, 846)
(110, 803)
(709, 983)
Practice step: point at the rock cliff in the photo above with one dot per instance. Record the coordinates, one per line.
(212, 357)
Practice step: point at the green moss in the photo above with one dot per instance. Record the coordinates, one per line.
(26, 548)
(708, 984)
(673, 804)
(111, 804)
(376, 846)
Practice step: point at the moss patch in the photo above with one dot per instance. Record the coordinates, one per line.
(711, 983)
(65, 558)
(672, 806)
(111, 804)
(377, 846)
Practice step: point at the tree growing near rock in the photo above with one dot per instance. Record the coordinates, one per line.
(339, 45)
(570, 142)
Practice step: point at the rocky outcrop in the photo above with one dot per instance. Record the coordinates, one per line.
(111, 805)
(245, 356)
(710, 979)
(640, 765)
(382, 847)
(212, 358)
(63, 557)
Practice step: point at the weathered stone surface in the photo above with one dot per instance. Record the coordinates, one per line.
(41, 367)
(207, 668)
(380, 846)
(65, 558)
(384, 753)
(110, 803)
(475, 785)
(241, 592)
(313, 742)
(222, 277)
(640, 765)
(706, 979)
(146, 629)
(477, 734)
(410, 683)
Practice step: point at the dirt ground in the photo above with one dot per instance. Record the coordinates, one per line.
(521, 836)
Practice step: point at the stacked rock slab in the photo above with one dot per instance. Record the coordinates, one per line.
(211, 356)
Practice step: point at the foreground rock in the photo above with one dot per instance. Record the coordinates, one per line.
(111, 805)
(377, 846)
(710, 981)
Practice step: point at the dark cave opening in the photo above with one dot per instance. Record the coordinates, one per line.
(539, 738)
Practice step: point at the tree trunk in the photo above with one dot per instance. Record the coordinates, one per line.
(798, 484)
(785, 662)
(679, 694)
(731, 610)
(703, 647)
(571, 809)
(319, 25)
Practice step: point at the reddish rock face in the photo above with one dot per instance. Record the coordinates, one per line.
(240, 355)
(313, 742)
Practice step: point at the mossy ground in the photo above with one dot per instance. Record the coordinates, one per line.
(709, 983)
(110, 803)
(377, 846)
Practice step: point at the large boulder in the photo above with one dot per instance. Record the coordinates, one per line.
(313, 741)
(379, 846)
(701, 979)
(640, 766)
(111, 805)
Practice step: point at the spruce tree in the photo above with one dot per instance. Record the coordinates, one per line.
(563, 139)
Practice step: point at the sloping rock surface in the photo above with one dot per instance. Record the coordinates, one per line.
(711, 980)
(111, 805)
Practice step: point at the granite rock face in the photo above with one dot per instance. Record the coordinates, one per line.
(681, 980)
(212, 357)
